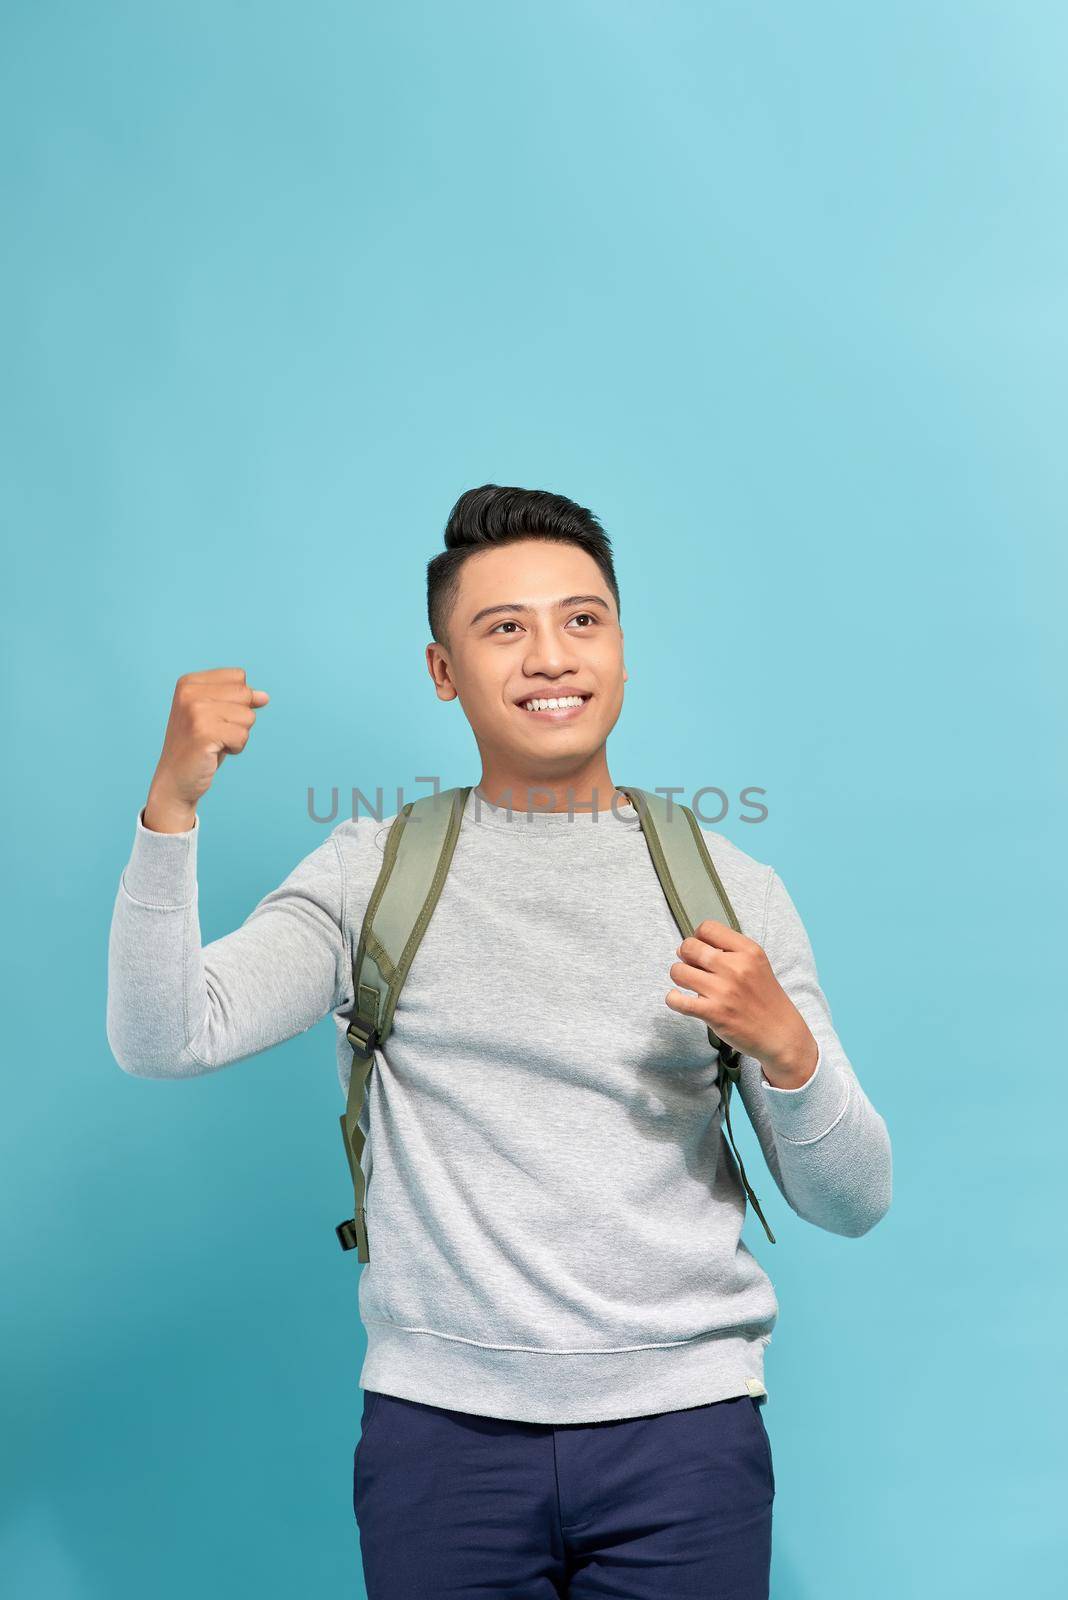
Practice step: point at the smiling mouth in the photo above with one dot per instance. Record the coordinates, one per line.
(554, 708)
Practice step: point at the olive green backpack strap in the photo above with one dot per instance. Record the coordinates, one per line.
(694, 891)
(415, 863)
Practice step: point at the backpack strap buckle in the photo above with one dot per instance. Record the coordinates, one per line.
(363, 1037)
(730, 1062)
(352, 1234)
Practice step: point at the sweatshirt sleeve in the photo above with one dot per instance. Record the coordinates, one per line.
(177, 1008)
(826, 1146)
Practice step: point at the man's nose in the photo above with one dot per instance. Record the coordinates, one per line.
(548, 652)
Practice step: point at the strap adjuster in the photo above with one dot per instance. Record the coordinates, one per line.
(346, 1234)
(730, 1062)
(362, 1036)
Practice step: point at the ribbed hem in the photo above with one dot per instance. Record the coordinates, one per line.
(559, 1387)
(811, 1111)
(162, 869)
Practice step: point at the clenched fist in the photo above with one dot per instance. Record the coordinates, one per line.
(211, 717)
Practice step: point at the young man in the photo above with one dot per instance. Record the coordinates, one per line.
(566, 1333)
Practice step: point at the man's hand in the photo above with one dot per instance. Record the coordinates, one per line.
(739, 997)
(211, 717)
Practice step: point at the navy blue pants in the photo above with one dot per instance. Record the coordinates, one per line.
(450, 1504)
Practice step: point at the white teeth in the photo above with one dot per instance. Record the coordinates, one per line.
(561, 703)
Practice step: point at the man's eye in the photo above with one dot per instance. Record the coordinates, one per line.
(510, 622)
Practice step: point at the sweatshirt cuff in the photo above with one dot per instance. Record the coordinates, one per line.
(162, 869)
(813, 1109)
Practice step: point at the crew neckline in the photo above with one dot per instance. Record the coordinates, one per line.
(546, 824)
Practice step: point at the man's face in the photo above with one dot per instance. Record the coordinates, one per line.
(533, 619)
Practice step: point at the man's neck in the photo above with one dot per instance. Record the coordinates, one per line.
(569, 795)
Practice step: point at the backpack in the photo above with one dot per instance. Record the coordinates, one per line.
(414, 868)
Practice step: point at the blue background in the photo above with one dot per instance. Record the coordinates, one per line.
(779, 292)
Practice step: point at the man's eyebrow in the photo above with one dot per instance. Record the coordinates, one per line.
(569, 600)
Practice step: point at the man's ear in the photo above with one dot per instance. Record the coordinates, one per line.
(438, 666)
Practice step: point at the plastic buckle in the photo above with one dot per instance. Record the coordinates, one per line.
(730, 1061)
(346, 1234)
(362, 1038)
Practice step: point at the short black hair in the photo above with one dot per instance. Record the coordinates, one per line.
(492, 515)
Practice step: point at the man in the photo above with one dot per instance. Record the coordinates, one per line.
(566, 1335)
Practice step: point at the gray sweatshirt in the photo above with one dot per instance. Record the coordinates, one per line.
(553, 1210)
